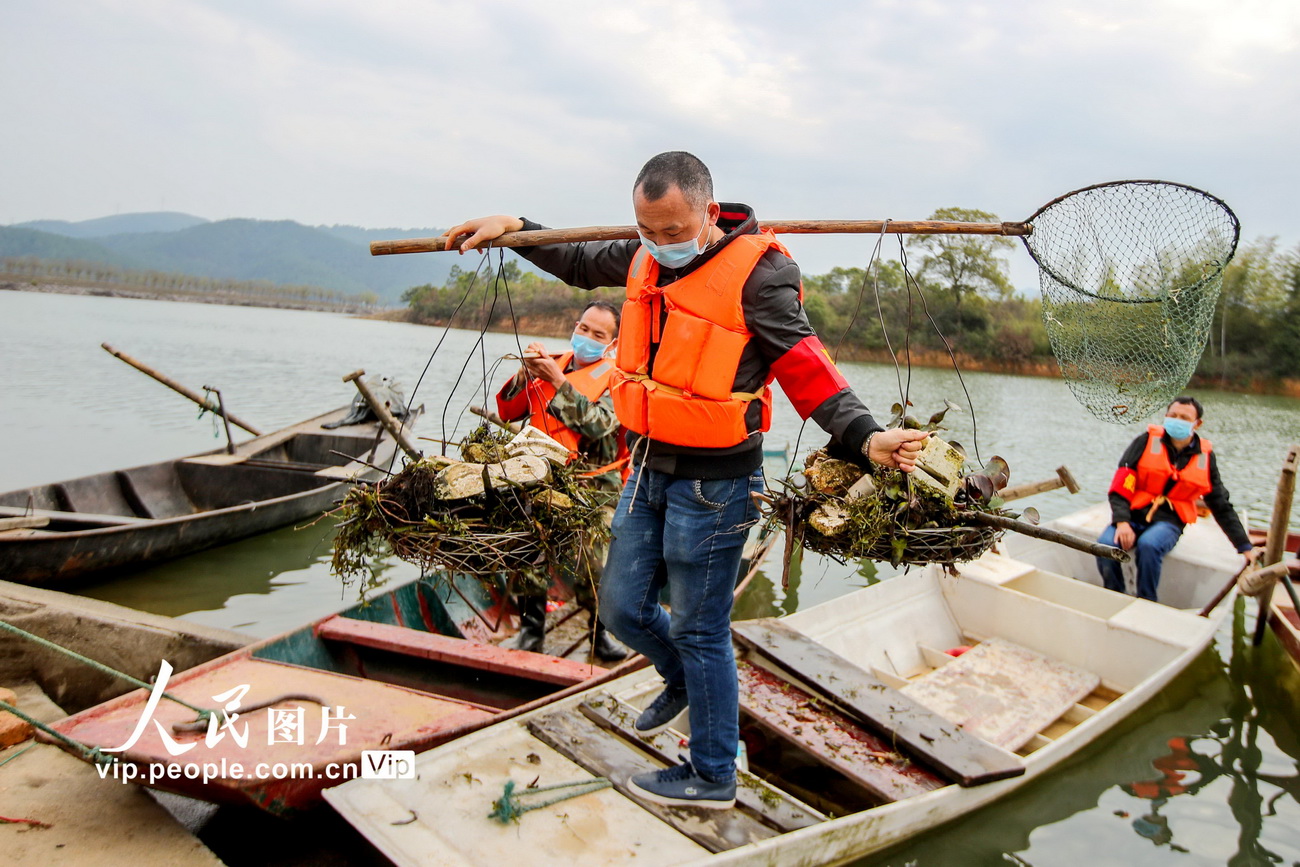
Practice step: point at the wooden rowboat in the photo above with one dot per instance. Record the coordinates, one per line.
(1284, 619)
(864, 719)
(1282, 614)
(116, 520)
(413, 667)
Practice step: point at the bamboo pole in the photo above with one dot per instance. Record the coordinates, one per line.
(385, 417)
(179, 389)
(1275, 547)
(1094, 548)
(781, 227)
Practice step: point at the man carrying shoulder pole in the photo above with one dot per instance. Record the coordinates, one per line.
(713, 313)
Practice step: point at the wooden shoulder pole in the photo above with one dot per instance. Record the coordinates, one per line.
(781, 227)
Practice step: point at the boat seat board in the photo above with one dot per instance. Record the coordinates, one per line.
(605, 754)
(71, 517)
(776, 807)
(429, 645)
(156, 491)
(217, 459)
(926, 736)
(830, 737)
(245, 450)
(1002, 692)
(26, 523)
(100, 494)
(441, 817)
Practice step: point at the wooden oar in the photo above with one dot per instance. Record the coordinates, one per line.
(787, 227)
(180, 389)
(1274, 548)
(385, 417)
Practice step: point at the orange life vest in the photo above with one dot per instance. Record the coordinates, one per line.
(685, 396)
(591, 381)
(1154, 472)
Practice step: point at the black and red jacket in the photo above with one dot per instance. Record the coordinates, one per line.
(782, 343)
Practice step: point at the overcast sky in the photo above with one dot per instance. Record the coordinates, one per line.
(388, 113)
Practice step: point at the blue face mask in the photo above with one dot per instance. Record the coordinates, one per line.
(1178, 428)
(676, 255)
(586, 350)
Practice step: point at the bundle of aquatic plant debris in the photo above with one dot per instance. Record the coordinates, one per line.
(838, 508)
(508, 507)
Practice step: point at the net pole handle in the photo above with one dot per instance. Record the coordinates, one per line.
(782, 227)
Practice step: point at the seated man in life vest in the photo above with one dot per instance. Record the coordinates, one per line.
(1153, 496)
(567, 396)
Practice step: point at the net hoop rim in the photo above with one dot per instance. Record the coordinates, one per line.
(1232, 248)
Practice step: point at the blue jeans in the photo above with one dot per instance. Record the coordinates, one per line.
(688, 535)
(1154, 541)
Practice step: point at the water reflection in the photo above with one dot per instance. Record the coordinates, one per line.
(1239, 753)
(262, 586)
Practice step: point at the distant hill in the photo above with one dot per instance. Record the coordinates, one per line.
(120, 224)
(358, 235)
(44, 245)
(335, 257)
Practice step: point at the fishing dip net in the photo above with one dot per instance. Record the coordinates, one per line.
(830, 510)
(1130, 273)
(509, 509)
(941, 512)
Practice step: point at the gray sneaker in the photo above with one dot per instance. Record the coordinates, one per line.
(682, 786)
(666, 707)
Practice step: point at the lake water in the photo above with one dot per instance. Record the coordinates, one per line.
(67, 409)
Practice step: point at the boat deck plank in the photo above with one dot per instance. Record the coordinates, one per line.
(442, 819)
(457, 651)
(774, 806)
(1003, 692)
(830, 737)
(955, 754)
(605, 754)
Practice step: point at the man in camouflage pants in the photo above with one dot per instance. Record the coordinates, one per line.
(568, 397)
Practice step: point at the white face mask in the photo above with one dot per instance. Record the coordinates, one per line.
(679, 254)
